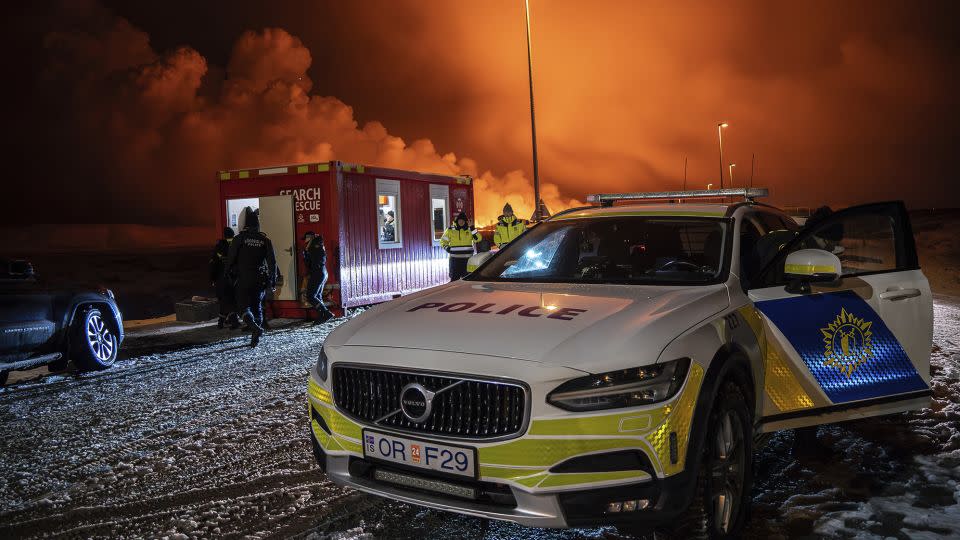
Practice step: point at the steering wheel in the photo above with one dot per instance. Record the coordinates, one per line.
(680, 264)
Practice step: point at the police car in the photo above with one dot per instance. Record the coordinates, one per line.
(615, 364)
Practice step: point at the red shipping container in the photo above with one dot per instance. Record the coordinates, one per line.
(348, 204)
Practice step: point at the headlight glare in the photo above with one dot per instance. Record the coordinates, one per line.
(623, 388)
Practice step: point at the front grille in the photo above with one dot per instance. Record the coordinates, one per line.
(471, 409)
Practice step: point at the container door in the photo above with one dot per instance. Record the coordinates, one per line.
(276, 221)
(864, 341)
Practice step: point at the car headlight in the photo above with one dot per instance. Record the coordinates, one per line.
(623, 388)
(322, 365)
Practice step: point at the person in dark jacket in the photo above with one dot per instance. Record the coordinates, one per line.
(221, 282)
(252, 262)
(315, 258)
(388, 233)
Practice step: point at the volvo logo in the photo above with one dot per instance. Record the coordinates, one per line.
(416, 402)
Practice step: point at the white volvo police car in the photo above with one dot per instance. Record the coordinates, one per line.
(614, 364)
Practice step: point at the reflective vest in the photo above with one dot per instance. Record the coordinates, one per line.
(506, 232)
(459, 242)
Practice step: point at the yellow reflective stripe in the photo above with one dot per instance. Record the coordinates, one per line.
(781, 384)
(318, 392)
(302, 169)
(548, 452)
(338, 423)
(755, 322)
(613, 424)
(531, 481)
(323, 167)
(326, 441)
(471, 267)
(360, 168)
(349, 446)
(225, 176)
(509, 473)
(667, 213)
(572, 479)
(808, 269)
(779, 381)
(243, 174)
(678, 421)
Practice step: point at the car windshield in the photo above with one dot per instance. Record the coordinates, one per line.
(620, 249)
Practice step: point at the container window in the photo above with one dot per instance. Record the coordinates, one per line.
(388, 214)
(439, 211)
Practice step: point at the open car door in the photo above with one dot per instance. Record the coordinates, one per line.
(847, 342)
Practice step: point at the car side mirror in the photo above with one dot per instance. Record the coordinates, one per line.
(807, 266)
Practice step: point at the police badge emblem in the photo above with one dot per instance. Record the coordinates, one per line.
(849, 342)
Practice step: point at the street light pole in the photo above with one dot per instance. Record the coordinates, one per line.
(732, 165)
(684, 173)
(720, 127)
(533, 121)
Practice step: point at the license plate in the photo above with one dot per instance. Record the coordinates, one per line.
(445, 458)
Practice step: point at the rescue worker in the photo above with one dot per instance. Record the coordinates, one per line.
(388, 233)
(221, 282)
(252, 262)
(458, 240)
(315, 259)
(508, 227)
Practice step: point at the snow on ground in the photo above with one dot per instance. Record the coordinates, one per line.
(189, 441)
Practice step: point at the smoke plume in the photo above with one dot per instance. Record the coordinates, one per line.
(162, 124)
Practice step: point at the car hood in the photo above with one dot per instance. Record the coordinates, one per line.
(586, 327)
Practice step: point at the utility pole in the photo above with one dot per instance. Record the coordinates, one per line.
(720, 127)
(684, 173)
(533, 121)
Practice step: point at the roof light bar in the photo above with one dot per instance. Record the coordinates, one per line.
(607, 199)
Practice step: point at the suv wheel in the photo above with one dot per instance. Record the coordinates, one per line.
(721, 503)
(93, 344)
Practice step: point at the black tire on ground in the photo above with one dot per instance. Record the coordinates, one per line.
(3, 377)
(93, 341)
(720, 506)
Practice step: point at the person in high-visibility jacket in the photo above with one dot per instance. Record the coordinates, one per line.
(508, 227)
(459, 240)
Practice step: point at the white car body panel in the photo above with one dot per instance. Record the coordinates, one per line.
(617, 322)
(543, 335)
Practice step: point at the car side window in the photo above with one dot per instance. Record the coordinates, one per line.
(868, 239)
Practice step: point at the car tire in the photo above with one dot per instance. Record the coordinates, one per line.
(93, 343)
(720, 505)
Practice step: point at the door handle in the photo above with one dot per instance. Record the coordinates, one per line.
(289, 250)
(899, 294)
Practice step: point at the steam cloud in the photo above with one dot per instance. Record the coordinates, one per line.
(162, 124)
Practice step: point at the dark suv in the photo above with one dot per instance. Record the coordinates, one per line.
(41, 326)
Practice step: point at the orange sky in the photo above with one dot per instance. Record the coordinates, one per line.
(840, 102)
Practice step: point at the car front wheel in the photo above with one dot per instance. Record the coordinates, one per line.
(721, 503)
(94, 344)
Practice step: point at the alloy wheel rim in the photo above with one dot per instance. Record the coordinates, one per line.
(727, 470)
(99, 338)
